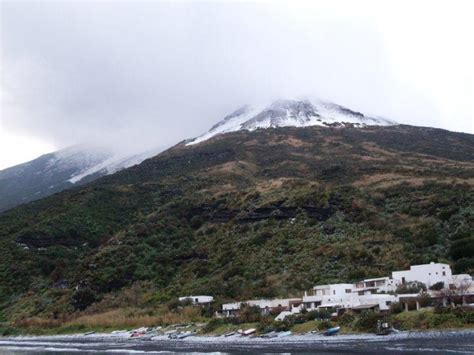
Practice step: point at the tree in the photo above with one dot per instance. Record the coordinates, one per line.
(83, 298)
(437, 286)
(411, 287)
(457, 290)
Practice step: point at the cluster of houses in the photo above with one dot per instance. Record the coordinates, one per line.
(376, 294)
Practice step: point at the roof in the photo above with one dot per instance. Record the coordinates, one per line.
(376, 279)
(366, 306)
(326, 305)
(321, 287)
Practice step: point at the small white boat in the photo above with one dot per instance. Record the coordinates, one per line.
(249, 331)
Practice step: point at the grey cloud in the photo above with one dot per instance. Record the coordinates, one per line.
(148, 74)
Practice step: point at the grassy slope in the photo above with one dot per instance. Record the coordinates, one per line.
(261, 214)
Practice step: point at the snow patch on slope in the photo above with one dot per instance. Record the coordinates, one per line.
(291, 113)
(113, 164)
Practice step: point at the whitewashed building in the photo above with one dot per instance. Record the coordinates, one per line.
(429, 274)
(265, 305)
(376, 285)
(198, 300)
(327, 296)
(370, 294)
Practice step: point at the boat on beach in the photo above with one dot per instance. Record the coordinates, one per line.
(182, 335)
(332, 331)
(383, 328)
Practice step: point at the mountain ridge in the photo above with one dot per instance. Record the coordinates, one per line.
(54, 172)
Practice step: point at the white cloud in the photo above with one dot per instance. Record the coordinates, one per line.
(153, 73)
(16, 149)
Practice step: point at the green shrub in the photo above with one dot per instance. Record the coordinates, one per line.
(250, 314)
(8, 331)
(324, 324)
(83, 298)
(437, 286)
(346, 319)
(411, 287)
(367, 321)
(396, 308)
(317, 315)
(214, 324)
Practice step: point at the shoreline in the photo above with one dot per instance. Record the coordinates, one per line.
(417, 334)
(434, 342)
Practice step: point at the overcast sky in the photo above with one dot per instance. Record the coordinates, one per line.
(146, 74)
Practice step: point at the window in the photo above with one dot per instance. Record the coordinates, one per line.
(333, 292)
(444, 273)
(388, 303)
(348, 290)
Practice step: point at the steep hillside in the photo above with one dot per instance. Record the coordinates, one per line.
(245, 214)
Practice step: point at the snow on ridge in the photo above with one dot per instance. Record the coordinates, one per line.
(291, 113)
(114, 164)
(84, 160)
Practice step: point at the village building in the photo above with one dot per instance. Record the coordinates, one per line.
(266, 306)
(376, 285)
(198, 300)
(328, 296)
(375, 294)
(429, 274)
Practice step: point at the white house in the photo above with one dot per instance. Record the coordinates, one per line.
(429, 274)
(331, 295)
(265, 305)
(376, 285)
(198, 300)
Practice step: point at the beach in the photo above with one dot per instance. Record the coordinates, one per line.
(432, 342)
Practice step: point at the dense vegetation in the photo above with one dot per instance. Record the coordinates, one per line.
(248, 214)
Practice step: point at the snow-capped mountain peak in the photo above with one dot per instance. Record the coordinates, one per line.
(291, 113)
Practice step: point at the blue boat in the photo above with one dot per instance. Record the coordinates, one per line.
(332, 331)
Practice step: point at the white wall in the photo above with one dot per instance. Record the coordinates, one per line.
(384, 301)
(197, 299)
(429, 274)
